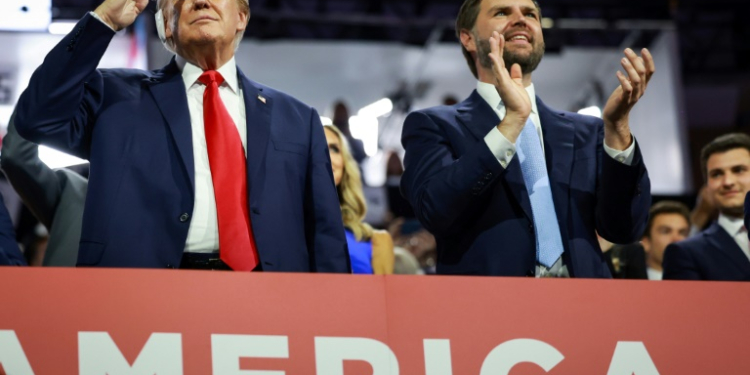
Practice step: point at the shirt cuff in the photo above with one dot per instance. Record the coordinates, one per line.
(500, 146)
(625, 157)
(101, 20)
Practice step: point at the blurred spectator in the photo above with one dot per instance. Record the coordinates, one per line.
(624, 261)
(397, 204)
(341, 121)
(668, 222)
(409, 235)
(371, 251)
(10, 254)
(55, 197)
(450, 100)
(406, 263)
(720, 252)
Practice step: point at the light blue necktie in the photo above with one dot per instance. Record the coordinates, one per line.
(549, 246)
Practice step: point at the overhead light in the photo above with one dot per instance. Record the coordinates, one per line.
(58, 159)
(61, 27)
(326, 120)
(591, 111)
(548, 23)
(380, 108)
(25, 15)
(365, 128)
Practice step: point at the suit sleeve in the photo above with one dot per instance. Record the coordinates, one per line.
(37, 184)
(59, 106)
(323, 223)
(444, 190)
(10, 254)
(679, 264)
(623, 197)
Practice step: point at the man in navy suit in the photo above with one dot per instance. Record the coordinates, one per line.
(510, 187)
(722, 251)
(192, 165)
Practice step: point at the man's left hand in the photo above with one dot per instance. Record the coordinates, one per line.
(638, 72)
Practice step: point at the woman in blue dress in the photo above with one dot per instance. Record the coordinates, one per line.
(371, 251)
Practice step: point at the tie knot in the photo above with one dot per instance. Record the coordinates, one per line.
(210, 76)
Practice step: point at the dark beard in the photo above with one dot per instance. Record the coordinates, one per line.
(528, 63)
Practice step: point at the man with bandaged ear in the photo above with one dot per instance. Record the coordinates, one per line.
(193, 165)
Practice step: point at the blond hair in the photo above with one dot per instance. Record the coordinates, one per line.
(351, 196)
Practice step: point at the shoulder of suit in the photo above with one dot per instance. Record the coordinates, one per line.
(696, 243)
(278, 96)
(444, 112)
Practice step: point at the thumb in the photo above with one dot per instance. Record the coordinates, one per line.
(515, 72)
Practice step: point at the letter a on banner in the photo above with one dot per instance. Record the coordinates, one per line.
(99, 355)
(631, 357)
(331, 352)
(510, 353)
(12, 357)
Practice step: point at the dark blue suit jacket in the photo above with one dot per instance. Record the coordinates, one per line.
(747, 214)
(10, 254)
(480, 212)
(134, 127)
(710, 255)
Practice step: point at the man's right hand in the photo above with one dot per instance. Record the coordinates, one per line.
(511, 89)
(119, 14)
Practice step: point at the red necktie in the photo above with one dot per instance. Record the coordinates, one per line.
(229, 175)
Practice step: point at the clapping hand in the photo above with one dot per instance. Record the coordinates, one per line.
(509, 85)
(638, 72)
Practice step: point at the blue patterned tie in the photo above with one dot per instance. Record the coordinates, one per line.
(534, 168)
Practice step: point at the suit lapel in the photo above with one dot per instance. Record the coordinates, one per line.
(258, 114)
(475, 114)
(724, 244)
(168, 90)
(559, 137)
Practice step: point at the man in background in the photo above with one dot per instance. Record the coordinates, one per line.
(668, 222)
(55, 197)
(720, 252)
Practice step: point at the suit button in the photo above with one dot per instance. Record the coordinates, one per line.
(184, 217)
(488, 176)
(531, 227)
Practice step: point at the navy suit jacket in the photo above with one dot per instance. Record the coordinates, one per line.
(480, 212)
(10, 254)
(747, 214)
(710, 255)
(134, 127)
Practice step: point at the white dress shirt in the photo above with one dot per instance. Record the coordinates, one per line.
(735, 228)
(203, 234)
(504, 150)
(654, 274)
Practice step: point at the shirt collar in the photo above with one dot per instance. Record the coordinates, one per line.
(732, 225)
(191, 73)
(489, 93)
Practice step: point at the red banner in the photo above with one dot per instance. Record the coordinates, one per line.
(115, 321)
